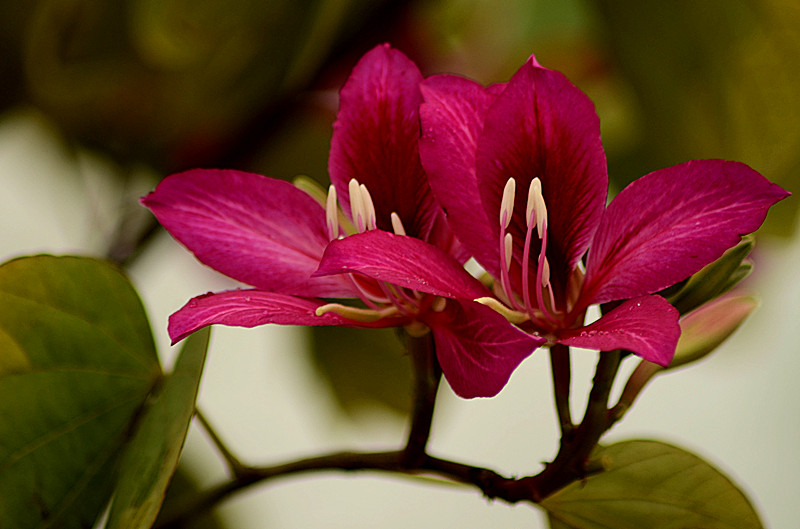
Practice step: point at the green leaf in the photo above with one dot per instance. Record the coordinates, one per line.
(555, 523)
(152, 456)
(654, 485)
(77, 361)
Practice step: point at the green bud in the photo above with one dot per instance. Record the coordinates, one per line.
(715, 279)
(705, 328)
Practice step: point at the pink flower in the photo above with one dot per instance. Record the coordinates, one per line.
(521, 172)
(269, 234)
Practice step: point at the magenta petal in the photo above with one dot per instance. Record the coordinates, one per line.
(375, 140)
(403, 261)
(258, 230)
(670, 223)
(647, 326)
(250, 308)
(452, 119)
(543, 126)
(478, 349)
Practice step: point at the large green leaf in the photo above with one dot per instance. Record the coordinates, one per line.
(77, 362)
(654, 485)
(152, 456)
(555, 523)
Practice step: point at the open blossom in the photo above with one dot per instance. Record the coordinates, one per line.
(269, 234)
(521, 172)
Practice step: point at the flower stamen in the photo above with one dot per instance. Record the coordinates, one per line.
(511, 315)
(536, 214)
(332, 214)
(357, 314)
(397, 224)
(507, 203)
(356, 204)
(507, 240)
(369, 208)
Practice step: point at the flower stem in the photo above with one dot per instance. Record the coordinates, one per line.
(562, 373)
(571, 462)
(427, 375)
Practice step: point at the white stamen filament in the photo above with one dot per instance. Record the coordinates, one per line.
(332, 214)
(397, 224)
(357, 314)
(507, 203)
(511, 315)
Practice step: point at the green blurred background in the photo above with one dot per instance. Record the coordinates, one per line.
(168, 85)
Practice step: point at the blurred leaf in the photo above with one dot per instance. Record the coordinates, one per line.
(714, 279)
(177, 83)
(714, 79)
(152, 455)
(655, 485)
(82, 364)
(364, 367)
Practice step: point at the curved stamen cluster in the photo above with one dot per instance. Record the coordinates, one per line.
(538, 310)
(382, 299)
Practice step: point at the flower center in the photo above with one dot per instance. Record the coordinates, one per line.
(382, 299)
(538, 309)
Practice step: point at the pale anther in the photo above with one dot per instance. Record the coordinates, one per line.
(332, 213)
(369, 208)
(546, 273)
(397, 224)
(439, 304)
(508, 245)
(356, 204)
(536, 206)
(507, 203)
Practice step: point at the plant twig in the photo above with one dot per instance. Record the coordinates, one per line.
(562, 373)
(235, 466)
(492, 484)
(427, 375)
(573, 455)
(569, 465)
